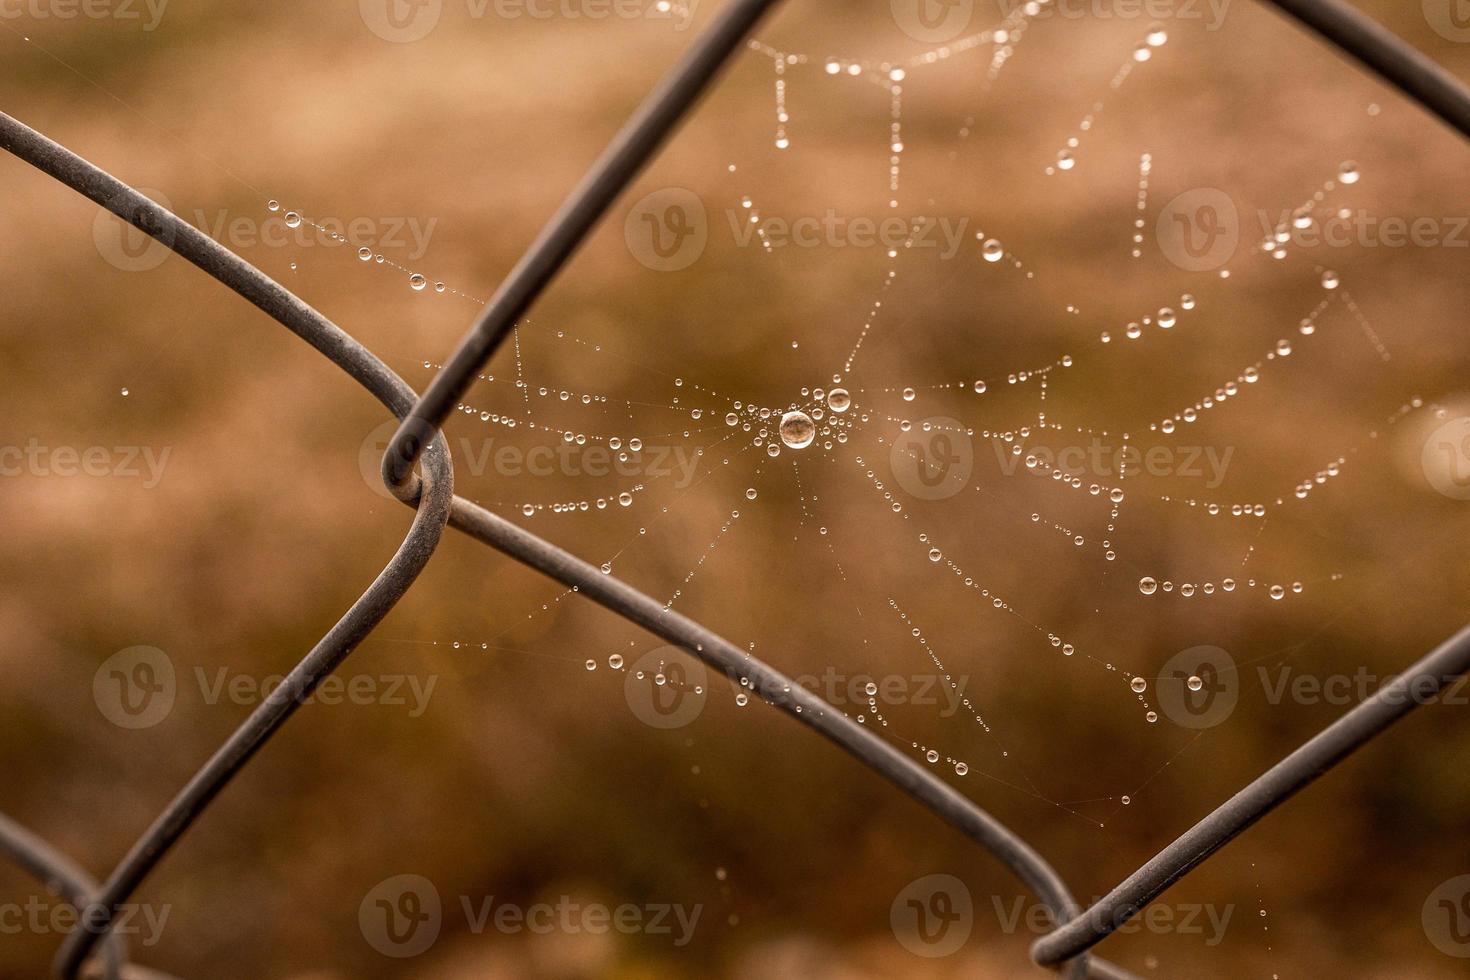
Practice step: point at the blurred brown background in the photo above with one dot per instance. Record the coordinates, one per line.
(529, 779)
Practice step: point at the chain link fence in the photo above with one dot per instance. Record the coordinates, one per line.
(417, 470)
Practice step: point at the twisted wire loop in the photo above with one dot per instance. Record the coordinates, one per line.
(61, 876)
(430, 495)
(418, 442)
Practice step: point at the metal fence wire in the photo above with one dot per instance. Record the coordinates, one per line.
(417, 469)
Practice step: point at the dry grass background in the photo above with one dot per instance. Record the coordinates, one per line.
(528, 778)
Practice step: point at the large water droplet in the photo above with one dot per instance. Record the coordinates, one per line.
(797, 430)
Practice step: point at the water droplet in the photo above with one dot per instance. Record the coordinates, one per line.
(932, 756)
(273, 206)
(935, 554)
(1156, 35)
(797, 430)
(1348, 173)
(909, 394)
(1065, 160)
(625, 498)
(615, 661)
(293, 220)
(125, 392)
(1194, 683)
(960, 769)
(592, 665)
(742, 699)
(1139, 685)
(839, 400)
(365, 253)
(1148, 586)
(417, 282)
(992, 250)
(1329, 280)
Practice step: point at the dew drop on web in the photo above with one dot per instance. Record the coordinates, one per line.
(797, 430)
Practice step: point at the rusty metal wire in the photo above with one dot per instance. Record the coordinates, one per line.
(418, 443)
